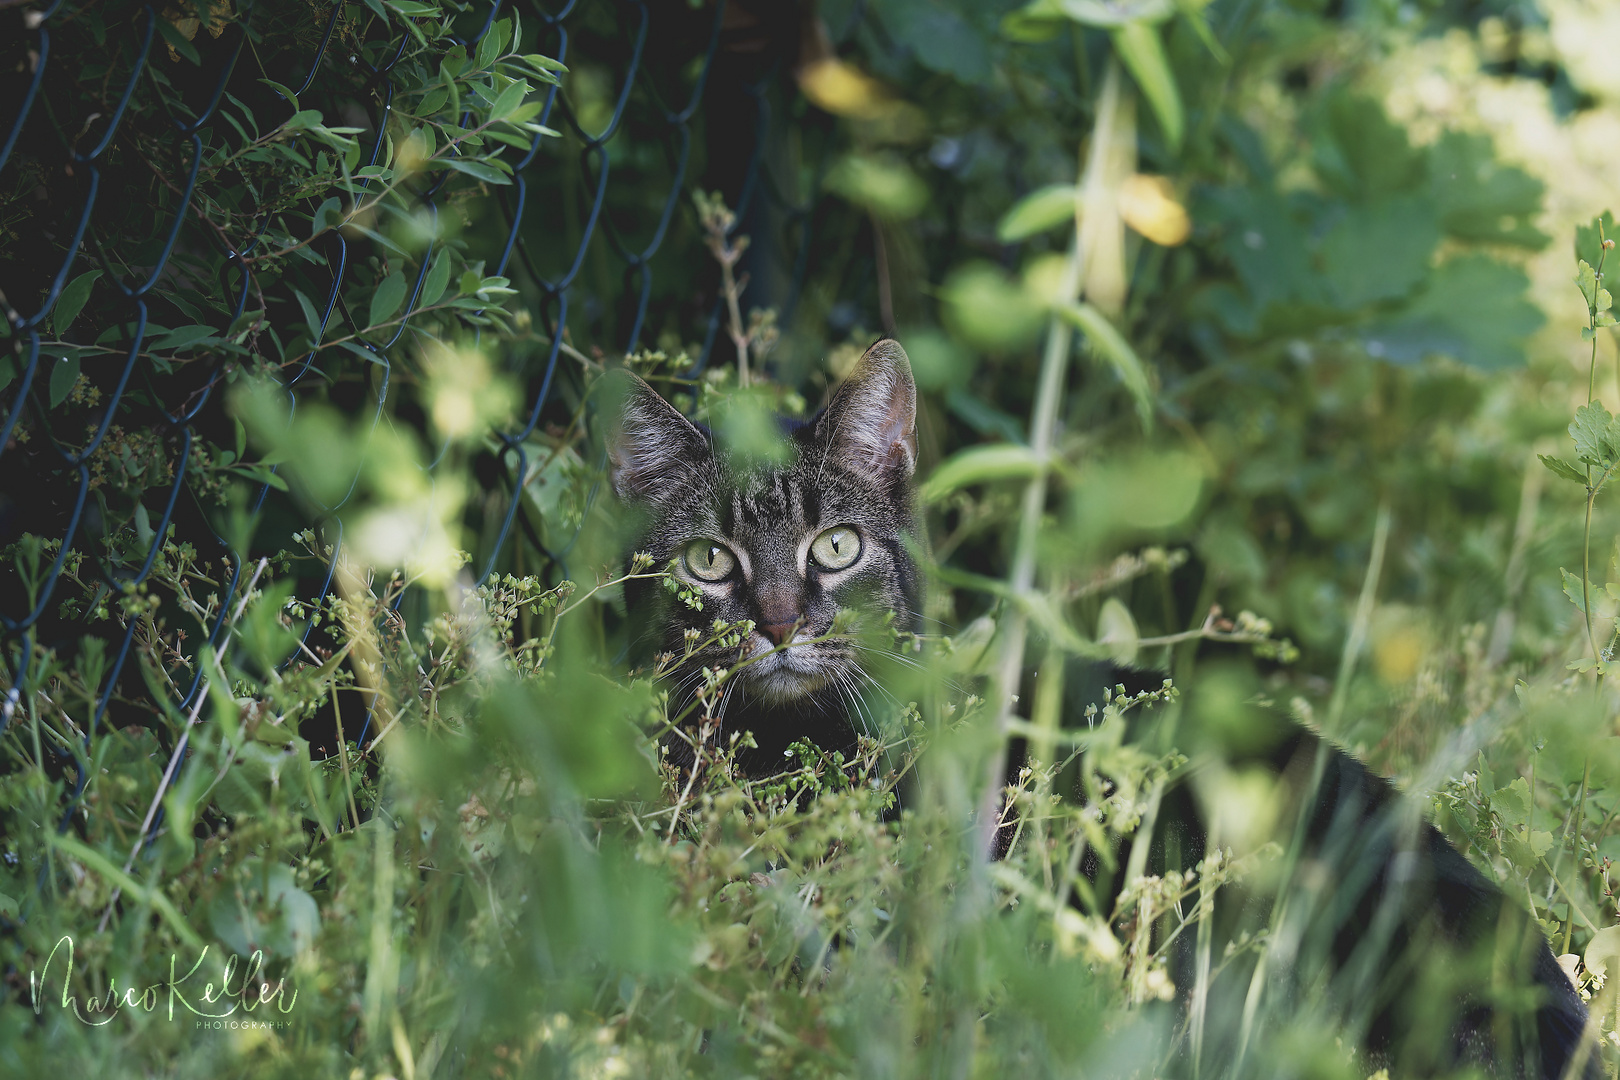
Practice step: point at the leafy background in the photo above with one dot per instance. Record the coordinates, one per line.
(303, 308)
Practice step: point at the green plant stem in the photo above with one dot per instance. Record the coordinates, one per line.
(1573, 829)
(1364, 606)
(1591, 489)
(1048, 397)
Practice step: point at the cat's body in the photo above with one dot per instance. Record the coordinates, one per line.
(1429, 965)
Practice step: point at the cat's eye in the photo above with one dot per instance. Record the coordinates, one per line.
(708, 560)
(837, 547)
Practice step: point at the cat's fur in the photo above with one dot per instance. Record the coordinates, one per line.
(1388, 917)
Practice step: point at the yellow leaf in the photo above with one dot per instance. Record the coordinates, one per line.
(843, 89)
(1149, 205)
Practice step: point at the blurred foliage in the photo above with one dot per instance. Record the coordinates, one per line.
(1302, 252)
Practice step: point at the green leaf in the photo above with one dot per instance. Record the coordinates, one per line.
(1564, 469)
(180, 337)
(1360, 153)
(433, 100)
(1572, 589)
(1380, 251)
(438, 276)
(1042, 209)
(303, 120)
(1474, 309)
(1138, 44)
(387, 297)
(327, 216)
(64, 373)
(1597, 442)
(1512, 803)
(1586, 279)
(489, 47)
(508, 101)
(977, 464)
(72, 300)
(1108, 343)
(470, 281)
(285, 92)
(483, 171)
(544, 63)
(1480, 199)
(312, 318)
(883, 184)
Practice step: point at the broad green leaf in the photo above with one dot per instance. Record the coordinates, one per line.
(433, 101)
(977, 464)
(1586, 279)
(508, 101)
(328, 215)
(1108, 343)
(526, 112)
(1042, 209)
(544, 63)
(1597, 442)
(303, 120)
(481, 170)
(489, 47)
(1360, 153)
(1139, 45)
(1380, 251)
(64, 374)
(72, 300)
(387, 297)
(1572, 589)
(1513, 803)
(455, 58)
(1563, 468)
(1479, 198)
(1474, 309)
(438, 276)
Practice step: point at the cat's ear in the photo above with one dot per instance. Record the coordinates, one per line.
(653, 451)
(870, 426)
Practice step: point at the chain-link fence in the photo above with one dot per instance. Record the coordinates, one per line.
(595, 228)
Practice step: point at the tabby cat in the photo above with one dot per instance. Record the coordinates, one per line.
(1429, 965)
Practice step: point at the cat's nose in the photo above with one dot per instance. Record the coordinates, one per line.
(779, 632)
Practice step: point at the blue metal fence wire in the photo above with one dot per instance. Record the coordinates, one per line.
(589, 154)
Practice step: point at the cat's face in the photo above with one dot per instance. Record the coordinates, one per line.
(785, 546)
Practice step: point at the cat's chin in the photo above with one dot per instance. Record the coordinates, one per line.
(787, 687)
(786, 677)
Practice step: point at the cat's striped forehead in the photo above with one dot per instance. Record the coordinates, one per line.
(773, 500)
